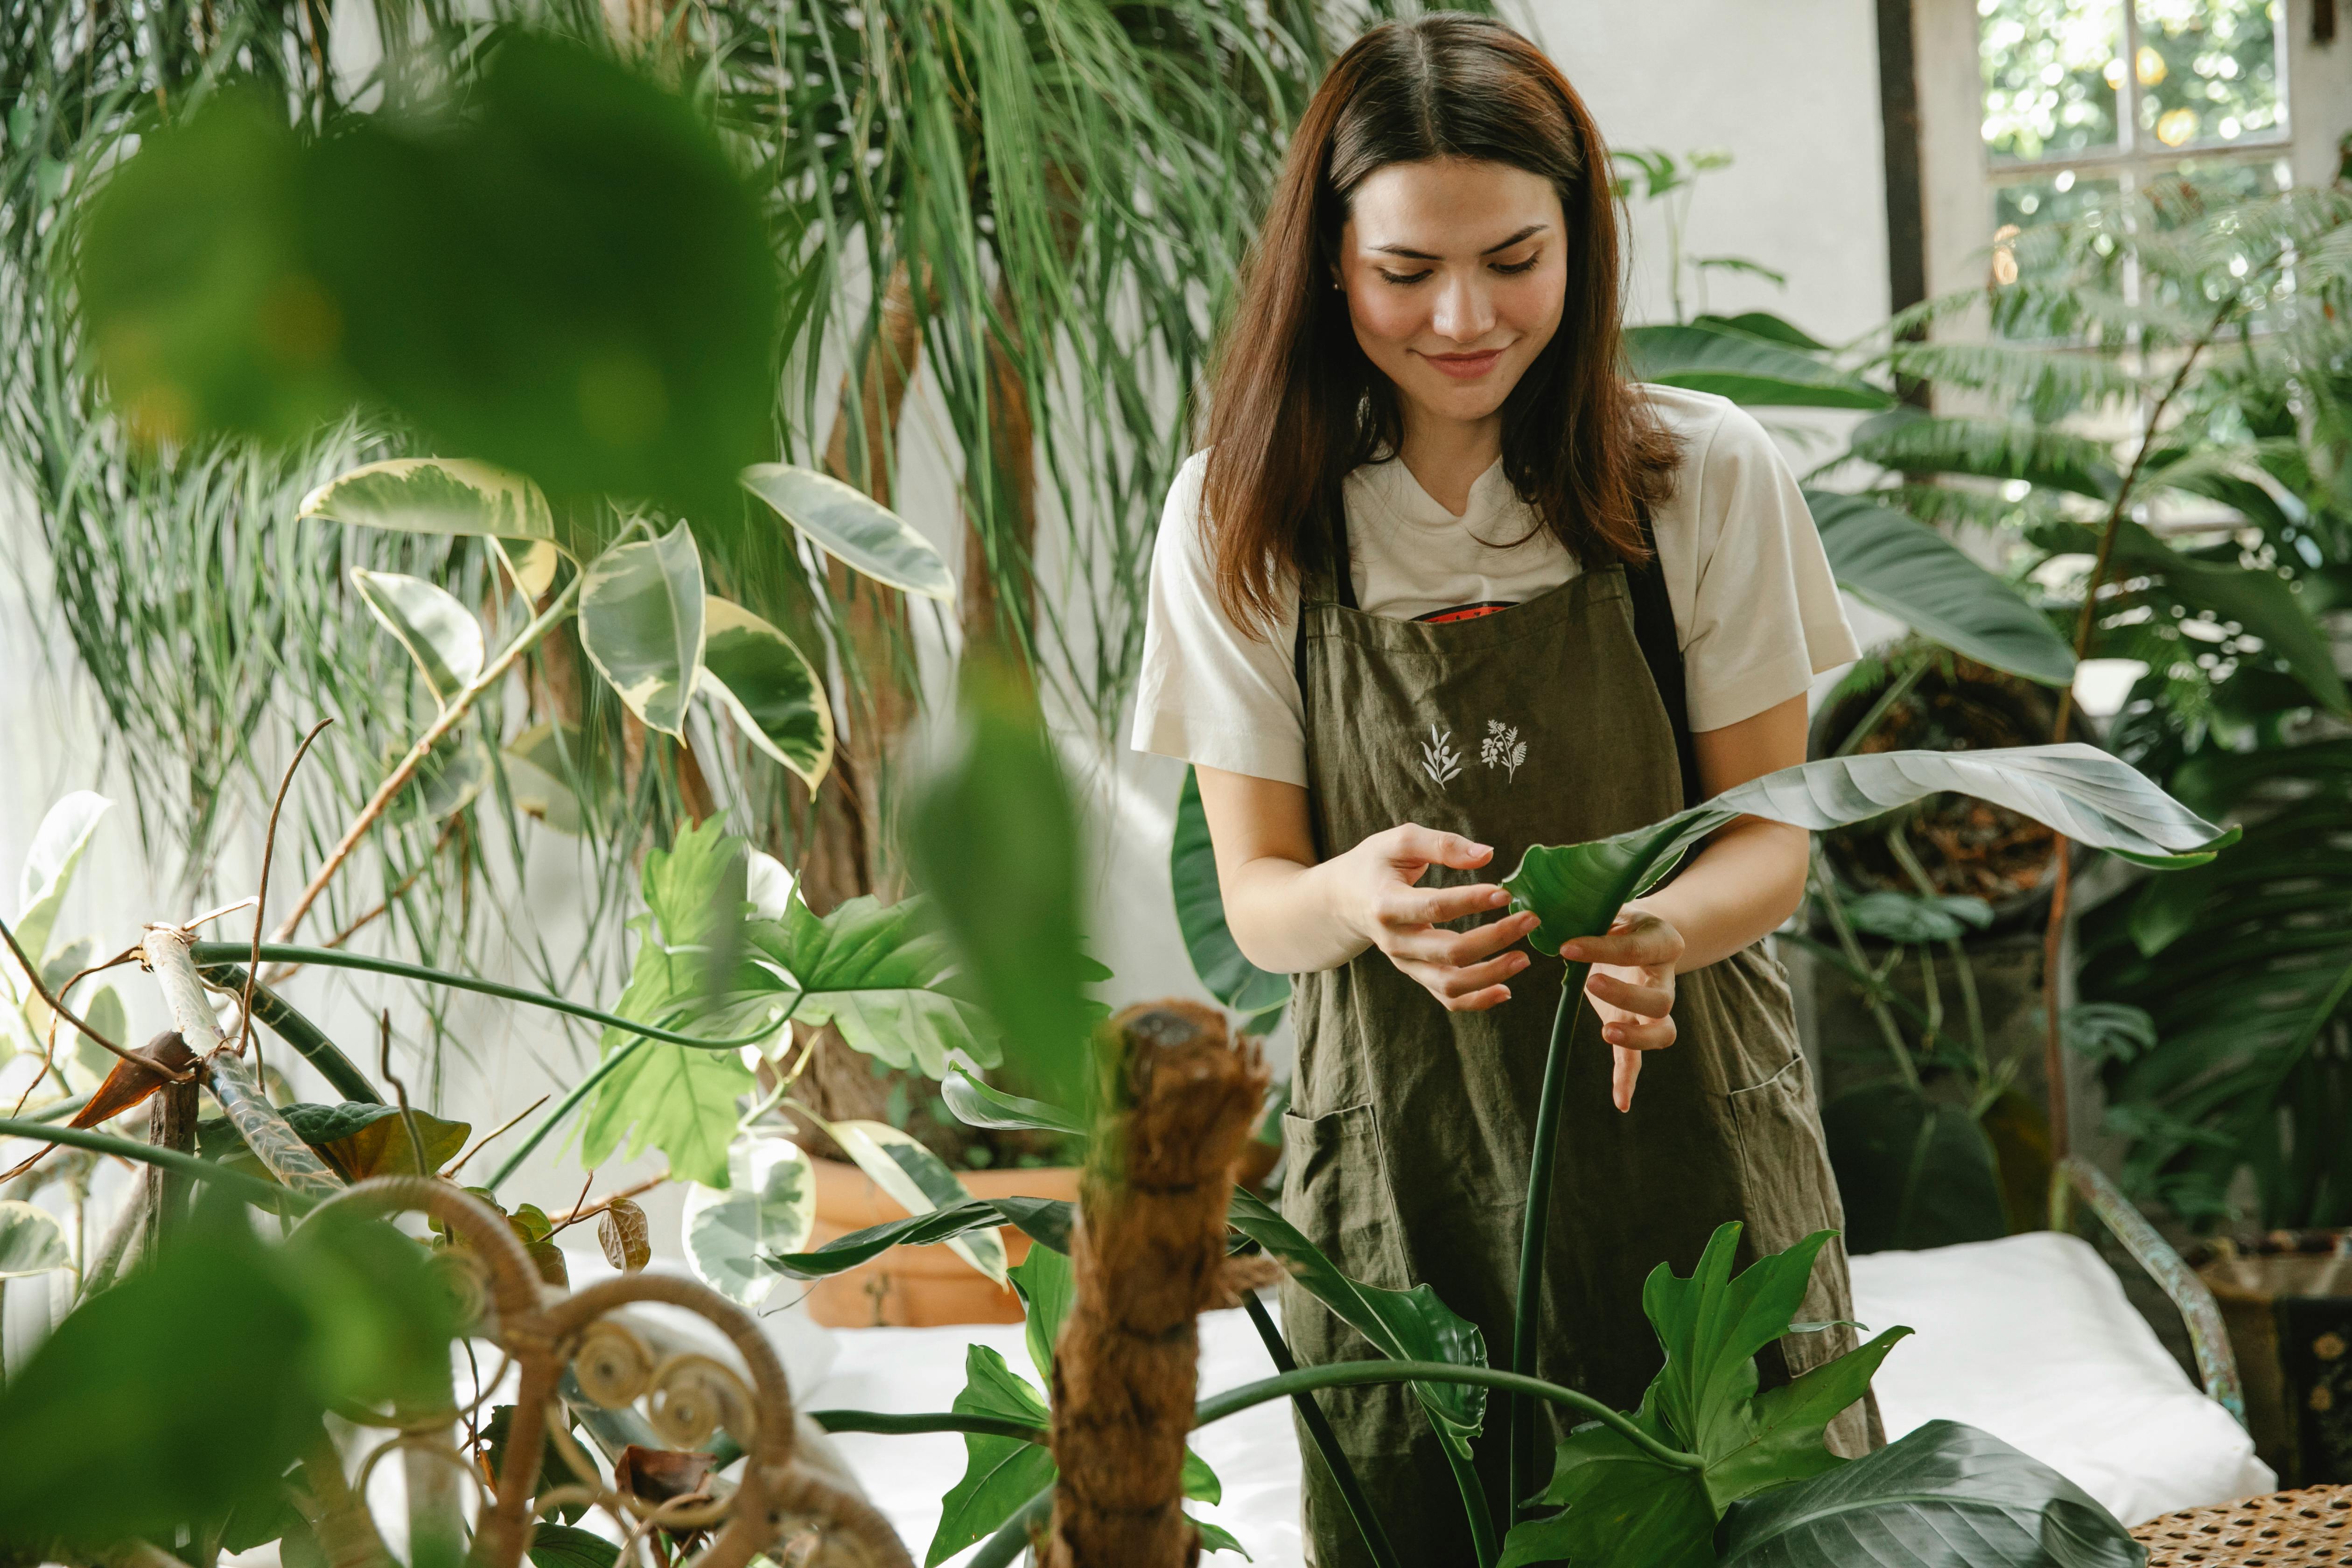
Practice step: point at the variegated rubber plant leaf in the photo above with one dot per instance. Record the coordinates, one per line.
(641, 624)
(440, 633)
(769, 687)
(57, 847)
(435, 495)
(31, 1241)
(853, 528)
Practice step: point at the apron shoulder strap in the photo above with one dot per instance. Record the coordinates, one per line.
(1333, 572)
(1662, 650)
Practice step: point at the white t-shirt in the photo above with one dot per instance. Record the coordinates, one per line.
(1758, 612)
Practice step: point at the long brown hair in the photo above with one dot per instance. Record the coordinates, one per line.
(1295, 405)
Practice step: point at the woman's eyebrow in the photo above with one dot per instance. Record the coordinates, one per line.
(1532, 229)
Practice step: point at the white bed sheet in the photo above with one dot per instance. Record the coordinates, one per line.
(2030, 1338)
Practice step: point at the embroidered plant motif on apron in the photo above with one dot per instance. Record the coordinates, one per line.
(1410, 1128)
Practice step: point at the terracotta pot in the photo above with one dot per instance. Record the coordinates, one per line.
(917, 1287)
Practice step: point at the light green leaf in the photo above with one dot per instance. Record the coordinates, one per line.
(438, 632)
(1000, 1474)
(31, 1242)
(768, 1207)
(435, 495)
(1217, 959)
(104, 1013)
(853, 528)
(1946, 1496)
(530, 563)
(776, 697)
(1048, 1290)
(549, 767)
(1214, 1539)
(2091, 797)
(1404, 1325)
(883, 975)
(975, 1104)
(641, 624)
(918, 1181)
(1906, 568)
(1746, 369)
(678, 1099)
(57, 847)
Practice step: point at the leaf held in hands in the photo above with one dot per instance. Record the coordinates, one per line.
(853, 528)
(641, 624)
(622, 1232)
(775, 697)
(438, 632)
(2087, 795)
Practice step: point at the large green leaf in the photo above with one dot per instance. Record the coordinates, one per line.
(30, 1241)
(438, 632)
(2091, 797)
(435, 495)
(882, 975)
(2262, 602)
(1745, 368)
(1909, 441)
(1000, 1474)
(1404, 1325)
(1946, 1496)
(1914, 1173)
(975, 1104)
(993, 838)
(775, 696)
(1217, 959)
(918, 1181)
(641, 623)
(859, 1247)
(768, 1207)
(853, 527)
(1049, 1289)
(1929, 584)
(1620, 1506)
(57, 847)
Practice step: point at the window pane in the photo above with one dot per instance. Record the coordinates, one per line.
(2209, 71)
(2059, 198)
(2053, 70)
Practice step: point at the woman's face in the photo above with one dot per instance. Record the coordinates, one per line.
(1455, 271)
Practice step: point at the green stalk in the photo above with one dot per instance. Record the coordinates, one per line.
(570, 1102)
(900, 1426)
(1872, 995)
(1326, 1442)
(60, 1109)
(1012, 1537)
(1527, 1315)
(1897, 690)
(211, 954)
(308, 1039)
(253, 1190)
(1481, 1519)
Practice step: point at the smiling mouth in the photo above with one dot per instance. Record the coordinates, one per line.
(1466, 367)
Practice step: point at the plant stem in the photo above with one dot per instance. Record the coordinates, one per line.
(1896, 690)
(252, 1189)
(1871, 996)
(1480, 1517)
(896, 1424)
(1963, 973)
(459, 705)
(1527, 1314)
(309, 1040)
(1326, 1442)
(563, 1108)
(210, 954)
(1012, 1537)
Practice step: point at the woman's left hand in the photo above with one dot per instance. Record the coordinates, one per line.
(1631, 988)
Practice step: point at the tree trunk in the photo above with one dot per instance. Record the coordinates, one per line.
(1149, 1254)
(1011, 438)
(171, 1124)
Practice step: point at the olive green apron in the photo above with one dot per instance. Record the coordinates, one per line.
(1411, 1128)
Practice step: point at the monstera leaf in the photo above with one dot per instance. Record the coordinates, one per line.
(1902, 566)
(1625, 1505)
(1947, 1496)
(853, 527)
(2091, 797)
(1259, 995)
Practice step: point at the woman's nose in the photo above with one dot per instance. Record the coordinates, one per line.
(1463, 312)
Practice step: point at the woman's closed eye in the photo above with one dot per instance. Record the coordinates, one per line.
(1506, 269)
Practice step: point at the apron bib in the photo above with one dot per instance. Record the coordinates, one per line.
(1411, 1128)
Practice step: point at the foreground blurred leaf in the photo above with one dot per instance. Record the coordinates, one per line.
(641, 624)
(438, 632)
(1217, 959)
(2091, 797)
(853, 528)
(768, 1208)
(775, 696)
(993, 838)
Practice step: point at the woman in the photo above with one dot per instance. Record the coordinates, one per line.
(1445, 585)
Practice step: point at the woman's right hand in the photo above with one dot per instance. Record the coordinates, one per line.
(1374, 893)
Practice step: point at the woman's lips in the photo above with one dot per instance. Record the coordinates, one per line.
(1466, 367)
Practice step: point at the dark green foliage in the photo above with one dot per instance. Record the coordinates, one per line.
(1231, 979)
(1914, 1171)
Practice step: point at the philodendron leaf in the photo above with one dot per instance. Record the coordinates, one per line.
(57, 847)
(31, 1242)
(435, 495)
(1217, 959)
(1405, 1325)
(768, 1207)
(884, 975)
(1947, 1496)
(438, 632)
(1000, 1473)
(775, 697)
(2089, 797)
(918, 1181)
(976, 1105)
(1900, 565)
(1620, 1506)
(641, 623)
(853, 528)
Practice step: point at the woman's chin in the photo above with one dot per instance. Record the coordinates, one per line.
(1466, 402)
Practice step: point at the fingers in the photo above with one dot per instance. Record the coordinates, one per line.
(1428, 944)
(1465, 990)
(1639, 1034)
(1648, 942)
(1434, 906)
(1427, 846)
(1623, 1071)
(1647, 1001)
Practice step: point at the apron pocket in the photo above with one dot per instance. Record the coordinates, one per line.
(1336, 1191)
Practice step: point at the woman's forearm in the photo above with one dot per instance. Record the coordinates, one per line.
(1749, 879)
(1284, 919)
